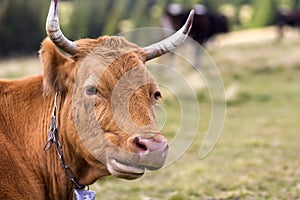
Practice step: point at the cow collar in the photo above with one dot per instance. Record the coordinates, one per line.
(52, 139)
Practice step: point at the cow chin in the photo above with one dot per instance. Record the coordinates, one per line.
(123, 170)
(147, 153)
(133, 166)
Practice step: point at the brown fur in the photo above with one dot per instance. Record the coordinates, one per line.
(26, 171)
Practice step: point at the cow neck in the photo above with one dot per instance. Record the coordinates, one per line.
(52, 140)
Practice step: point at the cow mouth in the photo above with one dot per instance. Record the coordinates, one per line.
(124, 170)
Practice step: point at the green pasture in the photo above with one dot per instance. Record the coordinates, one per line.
(258, 154)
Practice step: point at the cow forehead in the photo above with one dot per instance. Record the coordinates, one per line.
(112, 44)
(107, 50)
(105, 67)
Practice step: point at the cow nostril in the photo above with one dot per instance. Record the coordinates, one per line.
(149, 144)
(140, 146)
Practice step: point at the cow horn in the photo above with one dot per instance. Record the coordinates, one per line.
(170, 43)
(54, 32)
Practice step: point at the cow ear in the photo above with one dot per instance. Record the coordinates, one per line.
(56, 65)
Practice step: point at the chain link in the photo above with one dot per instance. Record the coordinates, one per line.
(52, 133)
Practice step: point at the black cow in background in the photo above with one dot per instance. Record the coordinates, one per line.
(206, 24)
(287, 17)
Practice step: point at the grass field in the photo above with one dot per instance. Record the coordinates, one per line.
(257, 156)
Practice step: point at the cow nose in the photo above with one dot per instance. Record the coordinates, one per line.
(149, 145)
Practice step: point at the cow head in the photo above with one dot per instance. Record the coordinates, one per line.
(107, 96)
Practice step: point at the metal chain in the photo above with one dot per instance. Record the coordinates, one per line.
(53, 127)
(52, 133)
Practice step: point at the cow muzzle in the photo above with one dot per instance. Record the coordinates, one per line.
(149, 153)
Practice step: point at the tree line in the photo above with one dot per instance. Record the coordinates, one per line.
(22, 22)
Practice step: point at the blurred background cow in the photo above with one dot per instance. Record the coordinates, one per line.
(206, 24)
(287, 17)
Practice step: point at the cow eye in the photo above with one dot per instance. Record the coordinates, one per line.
(91, 90)
(157, 95)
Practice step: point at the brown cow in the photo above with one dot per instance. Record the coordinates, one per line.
(100, 101)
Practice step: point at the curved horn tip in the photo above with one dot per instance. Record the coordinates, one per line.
(55, 2)
(170, 43)
(189, 22)
(54, 5)
(54, 32)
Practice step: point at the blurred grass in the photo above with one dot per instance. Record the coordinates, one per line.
(257, 154)
(13, 68)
